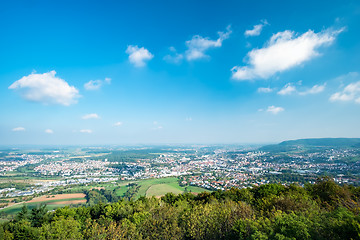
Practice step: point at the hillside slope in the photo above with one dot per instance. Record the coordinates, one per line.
(292, 145)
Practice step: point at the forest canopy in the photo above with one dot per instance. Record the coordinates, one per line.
(324, 210)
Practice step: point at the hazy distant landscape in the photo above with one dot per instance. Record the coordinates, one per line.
(72, 175)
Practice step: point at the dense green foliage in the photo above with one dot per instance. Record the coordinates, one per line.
(324, 210)
(95, 196)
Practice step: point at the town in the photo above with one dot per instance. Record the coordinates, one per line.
(208, 167)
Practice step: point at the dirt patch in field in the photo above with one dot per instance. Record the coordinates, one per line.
(57, 196)
(68, 202)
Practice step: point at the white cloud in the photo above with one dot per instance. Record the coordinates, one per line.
(93, 85)
(91, 116)
(287, 90)
(49, 131)
(283, 51)
(198, 45)
(138, 56)
(117, 124)
(188, 119)
(18, 129)
(351, 76)
(174, 57)
(265, 90)
(256, 30)
(274, 110)
(314, 90)
(96, 84)
(46, 88)
(86, 131)
(350, 93)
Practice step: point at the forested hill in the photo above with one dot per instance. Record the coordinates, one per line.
(323, 210)
(311, 143)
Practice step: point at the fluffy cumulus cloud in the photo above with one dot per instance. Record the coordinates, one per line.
(90, 116)
(138, 56)
(283, 51)
(46, 88)
(96, 84)
(350, 93)
(256, 29)
(314, 90)
(49, 131)
(85, 131)
(287, 89)
(274, 110)
(18, 129)
(265, 90)
(198, 45)
(117, 124)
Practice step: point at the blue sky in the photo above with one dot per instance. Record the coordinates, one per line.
(154, 72)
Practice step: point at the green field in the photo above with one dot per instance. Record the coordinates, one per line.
(17, 208)
(51, 205)
(161, 189)
(161, 186)
(148, 187)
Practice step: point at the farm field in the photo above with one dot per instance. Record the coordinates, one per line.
(149, 187)
(52, 202)
(161, 189)
(47, 198)
(161, 186)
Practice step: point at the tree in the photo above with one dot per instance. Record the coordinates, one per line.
(38, 215)
(61, 228)
(23, 214)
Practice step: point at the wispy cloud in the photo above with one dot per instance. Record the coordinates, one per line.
(117, 124)
(256, 29)
(85, 131)
(265, 90)
(174, 57)
(350, 93)
(138, 56)
(18, 129)
(198, 45)
(283, 51)
(96, 84)
(46, 88)
(49, 131)
(314, 90)
(156, 126)
(275, 110)
(90, 116)
(287, 89)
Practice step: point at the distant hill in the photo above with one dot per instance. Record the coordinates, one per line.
(299, 144)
